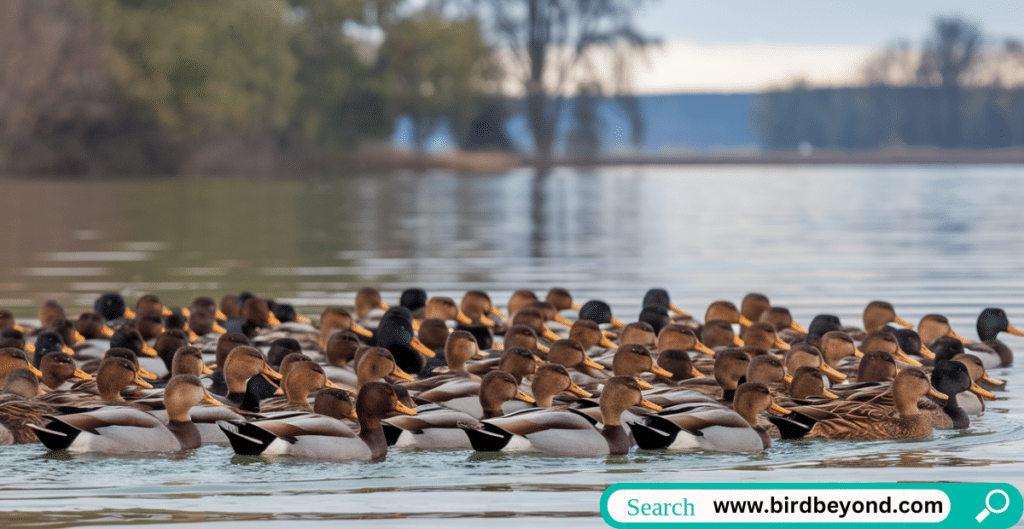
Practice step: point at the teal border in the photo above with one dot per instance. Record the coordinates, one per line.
(966, 501)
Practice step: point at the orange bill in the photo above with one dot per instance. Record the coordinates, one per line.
(775, 409)
(219, 329)
(40, 391)
(498, 313)
(269, 371)
(207, 370)
(186, 313)
(650, 405)
(660, 371)
(149, 351)
(78, 337)
(607, 344)
(30, 348)
(362, 331)
(18, 328)
(576, 390)
(35, 371)
(678, 310)
(832, 374)
(932, 392)
(83, 375)
(779, 344)
(68, 350)
(828, 394)
(704, 349)
(541, 348)
(738, 341)
(900, 321)
(787, 379)
(616, 322)
(695, 372)
(561, 319)
(220, 315)
(1013, 330)
(106, 331)
(299, 318)
(982, 392)
(279, 392)
(994, 381)
(520, 395)
(926, 352)
(146, 374)
(129, 313)
(797, 327)
(272, 320)
(963, 340)
(415, 325)
(902, 357)
(142, 383)
(644, 384)
(487, 321)
(745, 321)
(418, 345)
(550, 335)
(462, 318)
(192, 336)
(402, 408)
(166, 312)
(589, 362)
(858, 353)
(397, 372)
(332, 385)
(207, 399)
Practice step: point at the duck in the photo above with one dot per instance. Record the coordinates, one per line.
(112, 306)
(48, 342)
(991, 322)
(681, 337)
(7, 321)
(243, 363)
(836, 346)
(678, 363)
(808, 355)
(395, 333)
(973, 400)
(463, 394)
(301, 378)
(202, 316)
(375, 363)
(128, 337)
(123, 429)
(640, 333)
(18, 408)
(438, 427)
(910, 343)
(341, 348)
(951, 378)
(12, 358)
(656, 316)
(659, 297)
(781, 319)
(718, 333)
(230, 306)
(878, 314)
(935, 326)
(150, 305)
(92, 326)
(599, 312)
(534, 319)
(851, 419)
(883, 340)
(320, 437)
(588, 334)
(367, 300)
(459, 348)
(519, 299)
(807, 383)
(281, 348)
(561, 299)
(57, 368)
(442, 308)
(22, 383)
(710, 427)
(725, 311)
(477, 306)
(563, 431)
(226, 343)
(256, 316)
(413, 299)
(569, 353)
(188, 360)
(763, 336)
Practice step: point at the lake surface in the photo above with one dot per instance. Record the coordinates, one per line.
(824, 239)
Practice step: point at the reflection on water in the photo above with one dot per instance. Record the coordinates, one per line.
(815, 239)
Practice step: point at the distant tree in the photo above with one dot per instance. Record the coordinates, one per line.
(948, 56)
(583, 142)
(553, 43)
(434, 67)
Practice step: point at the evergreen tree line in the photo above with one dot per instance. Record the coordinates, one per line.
(954, 91)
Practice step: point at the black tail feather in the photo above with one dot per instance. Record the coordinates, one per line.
(653, 432)
(246, 439)
(56, 434)
(490, 438)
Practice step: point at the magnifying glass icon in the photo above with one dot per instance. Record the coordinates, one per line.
(988, 505)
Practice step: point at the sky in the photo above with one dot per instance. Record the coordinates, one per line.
(747, 45)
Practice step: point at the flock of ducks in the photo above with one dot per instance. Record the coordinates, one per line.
(549, 375)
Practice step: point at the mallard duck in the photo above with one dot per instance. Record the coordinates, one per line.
(719, 333)
(150, 305)
(807, 382)
(256, 316)
(886, 341)
(442, 308)
(588, 334)
(7, 321)
(367, 300)
(373, 365)
(188, 360)
(991, 322)
(681, 337)
(48, 342)
(725, 311)
(281, 348)
(395, 333)
(519, 299)
(910, 343)
(341, 348)
(677, 362)
(320, 437)
(12, 358)
(836, 346)
(226, 343)
(561, 299)
(122, 429)
(459, 348)
(477, 306)
(763, 336)
(563, 431)
(659, 297)
(92, 326)
(569, 353)
(301, 378)
(878, 314)
(973, 400)
(464, 394)
(438, 427)
(243, 363)
(22, 383)
(534, 319)
(413, 299)
(780, 318)
(57, 368)
(867, 420)
(710, 427)
(202, 316)
(128, 337)
(935, 326)
(111, 306)
(18, 408)
(730, 368)
(599, 312)
(876, 366)
(808, 355)
(639, 333)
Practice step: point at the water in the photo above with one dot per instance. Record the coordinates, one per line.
(929, 239)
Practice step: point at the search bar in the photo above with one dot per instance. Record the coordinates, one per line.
(972, 505)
